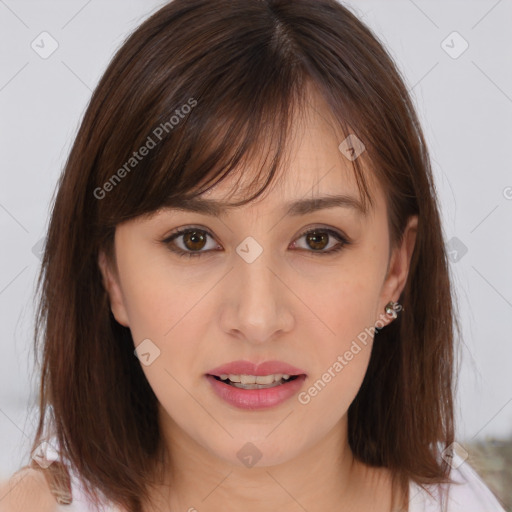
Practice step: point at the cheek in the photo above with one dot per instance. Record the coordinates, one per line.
(164, 313)
(341, 349)
(156, 296)
(340, 360)
(329, 393)
(343, 300)
(163, 306)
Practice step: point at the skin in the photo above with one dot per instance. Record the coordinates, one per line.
(290, 304)
(27, 490)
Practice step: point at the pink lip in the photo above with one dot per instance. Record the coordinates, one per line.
(248, 368)
(255, 398)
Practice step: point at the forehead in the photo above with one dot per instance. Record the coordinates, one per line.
(313, 167)
(313, 174)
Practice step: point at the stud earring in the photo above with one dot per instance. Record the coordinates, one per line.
(392, 308)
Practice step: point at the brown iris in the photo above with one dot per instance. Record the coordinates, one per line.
(317, 240)
(194, 240)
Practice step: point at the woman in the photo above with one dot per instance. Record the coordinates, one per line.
(245, 296)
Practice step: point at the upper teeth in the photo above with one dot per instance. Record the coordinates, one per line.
(255, 379)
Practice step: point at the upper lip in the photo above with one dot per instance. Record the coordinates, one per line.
(249, 368)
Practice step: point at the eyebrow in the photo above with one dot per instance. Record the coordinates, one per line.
(294, 208)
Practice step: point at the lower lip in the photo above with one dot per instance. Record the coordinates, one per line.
(256, 398)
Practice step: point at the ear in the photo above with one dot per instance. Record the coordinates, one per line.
(111, 285)
(398, 270)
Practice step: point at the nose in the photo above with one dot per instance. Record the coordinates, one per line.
(257, 305)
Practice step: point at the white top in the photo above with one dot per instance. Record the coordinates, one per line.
(80, 502)
(469, 495)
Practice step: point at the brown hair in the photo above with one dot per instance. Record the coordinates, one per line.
(242, 68)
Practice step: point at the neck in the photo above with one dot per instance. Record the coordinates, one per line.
(321, 477)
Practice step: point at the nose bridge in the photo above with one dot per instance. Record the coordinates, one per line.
(258, 302)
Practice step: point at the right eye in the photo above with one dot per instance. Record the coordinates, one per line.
(192, 240)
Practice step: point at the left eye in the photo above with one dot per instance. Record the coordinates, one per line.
(318, 239)
(193, 240)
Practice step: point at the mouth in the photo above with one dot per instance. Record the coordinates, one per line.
(255, 381)
(251, 386)
(256, 392)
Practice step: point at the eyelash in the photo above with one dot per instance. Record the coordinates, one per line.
(167, 241)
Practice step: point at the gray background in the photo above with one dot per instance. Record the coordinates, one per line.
(465, 105)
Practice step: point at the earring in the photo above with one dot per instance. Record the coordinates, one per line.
(392, 308)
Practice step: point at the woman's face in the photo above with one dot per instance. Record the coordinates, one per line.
(258, 289)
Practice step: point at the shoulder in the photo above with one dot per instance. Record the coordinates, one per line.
(467, 493)
(27, 490)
